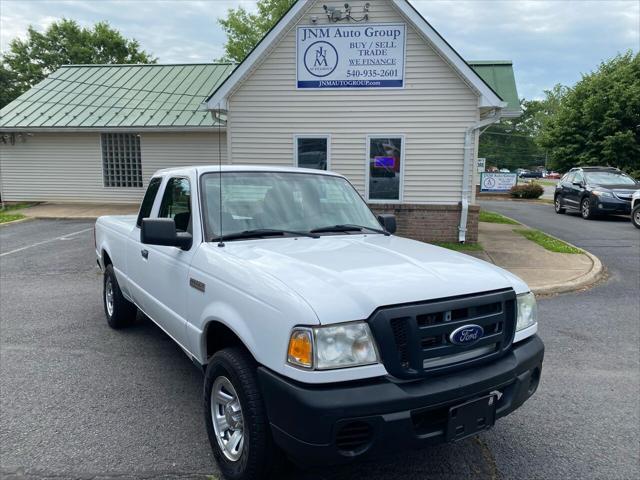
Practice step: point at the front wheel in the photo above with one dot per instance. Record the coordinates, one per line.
(635, 216)
(236, 419)
(558, 205)
(585, 209)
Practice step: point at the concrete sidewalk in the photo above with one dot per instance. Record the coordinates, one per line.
(84, 210)
(544, 271)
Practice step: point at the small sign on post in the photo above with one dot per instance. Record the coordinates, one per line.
(482, 164)
(497, 182)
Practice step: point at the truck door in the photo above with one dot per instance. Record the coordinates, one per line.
(165, 276)
(136, 263)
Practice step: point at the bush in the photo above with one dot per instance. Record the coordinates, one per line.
(527, 190)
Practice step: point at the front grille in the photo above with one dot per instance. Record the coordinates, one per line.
(414, 338)
(624, 194)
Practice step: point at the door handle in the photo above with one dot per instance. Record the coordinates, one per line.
(145, 253)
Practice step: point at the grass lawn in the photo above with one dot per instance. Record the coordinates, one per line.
(12, 212)
(547, 242)
(460, 247)
(493, 217)
(548, 183)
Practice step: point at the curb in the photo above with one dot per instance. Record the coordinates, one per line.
(85, 217)
(16, 221)
(586, 280)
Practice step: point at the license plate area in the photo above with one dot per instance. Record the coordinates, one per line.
(471, 417)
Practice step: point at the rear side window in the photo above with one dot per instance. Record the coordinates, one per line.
(147, 201)
(176, 203)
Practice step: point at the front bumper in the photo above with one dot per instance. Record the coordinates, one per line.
(610, 205)
(309, 421)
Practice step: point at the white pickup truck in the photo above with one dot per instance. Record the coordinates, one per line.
(323, 337)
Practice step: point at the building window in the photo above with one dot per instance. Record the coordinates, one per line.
(121, 163)
(312, 151)
(385, 168)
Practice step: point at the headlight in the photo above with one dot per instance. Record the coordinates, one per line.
(527, 311)
(334, 346)
(601, 193)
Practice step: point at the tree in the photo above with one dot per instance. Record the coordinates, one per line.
(598, 120)
(512, 142)
(244, 29)
(29, 61)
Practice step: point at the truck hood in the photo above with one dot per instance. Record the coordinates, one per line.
(346, 277)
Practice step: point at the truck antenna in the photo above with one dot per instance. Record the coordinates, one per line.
(221, 239)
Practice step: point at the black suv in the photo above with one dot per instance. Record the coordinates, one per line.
(595, 190)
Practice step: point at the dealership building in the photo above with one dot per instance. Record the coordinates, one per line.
(372, 92)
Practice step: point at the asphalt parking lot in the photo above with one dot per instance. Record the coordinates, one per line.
(78, 400)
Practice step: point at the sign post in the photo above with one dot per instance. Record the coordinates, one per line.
(350, 56)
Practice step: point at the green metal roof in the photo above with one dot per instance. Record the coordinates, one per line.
(498, 74)
(118, 96)
(156, 96)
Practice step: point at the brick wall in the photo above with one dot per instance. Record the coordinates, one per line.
(431, 223)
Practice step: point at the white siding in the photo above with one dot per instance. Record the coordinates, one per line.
(432, 111)
(67, 167)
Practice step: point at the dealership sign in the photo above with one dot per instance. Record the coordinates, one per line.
(351, 56)
(497, 182)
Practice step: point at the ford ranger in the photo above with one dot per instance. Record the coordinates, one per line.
(323, 337)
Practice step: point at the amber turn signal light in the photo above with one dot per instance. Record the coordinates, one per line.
(300, 352)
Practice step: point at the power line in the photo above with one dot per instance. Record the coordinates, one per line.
(110, 107)
(128, 88)
(507, 134)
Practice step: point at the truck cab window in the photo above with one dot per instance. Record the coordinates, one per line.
(176, 203)
(147, 201)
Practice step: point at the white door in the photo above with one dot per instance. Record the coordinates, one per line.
(166, 273)
(136, 262)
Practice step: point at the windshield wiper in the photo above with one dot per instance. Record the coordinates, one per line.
(262, 232)
(347, 228)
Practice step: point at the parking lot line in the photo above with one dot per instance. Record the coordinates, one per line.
(62, 237)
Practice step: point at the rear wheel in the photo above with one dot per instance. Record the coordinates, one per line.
(558, 205)
(236, 419)
(585, 209)
(635, 216)
(119, 311)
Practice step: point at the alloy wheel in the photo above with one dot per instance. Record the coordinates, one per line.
(227, 418)
(108, 296)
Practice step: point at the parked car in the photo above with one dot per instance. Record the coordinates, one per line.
(320, 333)
(553, 176)
(635, 209)
(594, 191)
(531, 174)
(504, 170)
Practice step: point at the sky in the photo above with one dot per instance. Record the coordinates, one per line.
(549, 41)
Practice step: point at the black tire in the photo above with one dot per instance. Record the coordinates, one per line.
(635, 216)
(557, 205)
(123, 312)
(585, 209)
(260, 458)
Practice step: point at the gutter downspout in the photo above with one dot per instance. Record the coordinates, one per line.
(466, 171)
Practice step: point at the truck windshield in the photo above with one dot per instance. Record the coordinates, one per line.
(290, 202)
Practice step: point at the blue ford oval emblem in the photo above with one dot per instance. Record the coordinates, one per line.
(466, 335)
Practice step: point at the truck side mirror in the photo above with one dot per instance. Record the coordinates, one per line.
(162, 231)
(388, 222)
